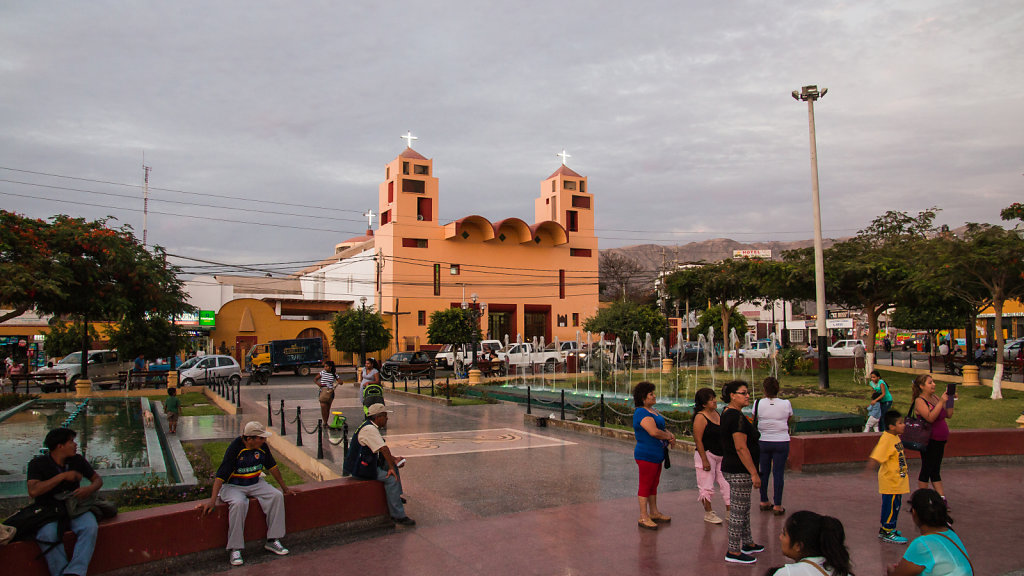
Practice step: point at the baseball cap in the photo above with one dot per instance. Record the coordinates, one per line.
(255, 429)
(375, 409)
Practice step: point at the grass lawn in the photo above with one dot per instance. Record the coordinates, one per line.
(974, 409)
(216, 450)
(194, 404)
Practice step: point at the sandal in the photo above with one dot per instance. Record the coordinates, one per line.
(661, 519)
(779, 511)
(766, 507)
(647, 524)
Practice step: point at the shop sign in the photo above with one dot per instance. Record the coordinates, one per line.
(766, 254)
(207, 318)
(187, 319)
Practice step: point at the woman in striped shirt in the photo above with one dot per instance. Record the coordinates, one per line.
(327, 379)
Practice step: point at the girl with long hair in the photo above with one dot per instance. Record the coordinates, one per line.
(818, 545)
(707, 457)
(938, 551)
(933, 409)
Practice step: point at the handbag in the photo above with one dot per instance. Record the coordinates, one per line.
(326, 395)
(917, 431)
(667, 462)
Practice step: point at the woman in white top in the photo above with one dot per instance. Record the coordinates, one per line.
(327, 379)
(817, 543)
(773, 415)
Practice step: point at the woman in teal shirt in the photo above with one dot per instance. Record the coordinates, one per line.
(938, 551)
(879, 385)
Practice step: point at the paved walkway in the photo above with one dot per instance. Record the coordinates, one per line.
(565, 503)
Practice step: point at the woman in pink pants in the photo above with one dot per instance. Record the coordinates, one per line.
(707, 458)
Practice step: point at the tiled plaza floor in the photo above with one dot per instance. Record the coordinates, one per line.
(567, 505)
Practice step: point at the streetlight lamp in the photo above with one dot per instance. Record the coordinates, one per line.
(809, 94)
(362, 330)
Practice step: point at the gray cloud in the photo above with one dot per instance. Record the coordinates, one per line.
(679, 112)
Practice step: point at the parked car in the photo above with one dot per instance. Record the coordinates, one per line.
(203, 369)
(445, 358)
(1012, 348)
(104, 367)
(407, 364)
(844, 347)
(761, 349)
(692, 352)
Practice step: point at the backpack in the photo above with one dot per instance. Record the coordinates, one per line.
(360, 461)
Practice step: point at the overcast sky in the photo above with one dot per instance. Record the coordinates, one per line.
(678, 112)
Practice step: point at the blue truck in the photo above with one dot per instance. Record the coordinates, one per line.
(297, 355)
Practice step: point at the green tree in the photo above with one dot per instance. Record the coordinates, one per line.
(63, 337)
(724, 285)
(624, 317)
(872, 270)
(712, 318)
(74, 267)
(153, 337)
(984, 267)
(347, 326)
(452, 326)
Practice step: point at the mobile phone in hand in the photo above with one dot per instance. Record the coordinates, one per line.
(950, 394)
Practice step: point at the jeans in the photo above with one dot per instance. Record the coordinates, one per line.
(393, 492)
(85, 529)
(773, 461)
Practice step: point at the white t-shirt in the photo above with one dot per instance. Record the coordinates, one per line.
(773, 419)
(802, 568)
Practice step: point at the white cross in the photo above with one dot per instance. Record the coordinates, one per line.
(564, 155)
(409, 138)
(369, 218)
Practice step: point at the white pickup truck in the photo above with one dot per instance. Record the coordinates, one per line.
(445, 359)
(524, 355)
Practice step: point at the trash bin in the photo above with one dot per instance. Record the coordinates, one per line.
(572, 364)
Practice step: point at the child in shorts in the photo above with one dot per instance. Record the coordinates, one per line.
(893, 476)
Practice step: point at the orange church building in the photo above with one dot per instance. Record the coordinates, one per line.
(535, 279)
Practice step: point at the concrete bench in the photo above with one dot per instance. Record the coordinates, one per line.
(176, 530)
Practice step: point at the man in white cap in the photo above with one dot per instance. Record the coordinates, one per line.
(368, 440)
(240, 476)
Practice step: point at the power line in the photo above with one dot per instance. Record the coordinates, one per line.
(181, 202)
(211, 195)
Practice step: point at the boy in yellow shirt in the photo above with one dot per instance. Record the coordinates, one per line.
(893, 476)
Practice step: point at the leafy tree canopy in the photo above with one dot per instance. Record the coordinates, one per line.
(63, 338)
(153, 337)
(712, 318)
(453, 326)
(346, 327)
(623, 318)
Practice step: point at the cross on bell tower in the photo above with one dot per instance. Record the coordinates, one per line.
(408, 137)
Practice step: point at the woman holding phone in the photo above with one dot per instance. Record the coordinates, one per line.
(934, 409)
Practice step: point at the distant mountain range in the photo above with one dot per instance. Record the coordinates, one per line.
(653, 256)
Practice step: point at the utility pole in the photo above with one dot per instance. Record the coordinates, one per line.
(145, 201)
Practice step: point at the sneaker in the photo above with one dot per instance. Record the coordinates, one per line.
(740, 558)
(891, 537)
(751, 548)
(711, 518)
(406, 521)
(236, 557)
(275, 547)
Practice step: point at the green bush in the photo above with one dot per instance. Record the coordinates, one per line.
(792, 362)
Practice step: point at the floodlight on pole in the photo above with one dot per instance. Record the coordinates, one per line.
(810, 94)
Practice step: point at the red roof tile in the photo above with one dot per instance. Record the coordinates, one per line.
(410, 153)
(564, 171)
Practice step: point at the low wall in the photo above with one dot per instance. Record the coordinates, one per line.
(177, 530)
(847, 448)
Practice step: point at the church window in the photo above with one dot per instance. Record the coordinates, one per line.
(561, 284)
(405, 167)
(385, 217)
(414, 186)
(420, 169)
(572, 220)
(424, 210)
(583, 186)
(414, 243)
(552, 186)
(454, 270)
(569, 185)
(580, 202)
(580, 252)
(575, 318)
(391, 191)
(421, 317)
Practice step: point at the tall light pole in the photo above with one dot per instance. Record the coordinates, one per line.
(362, 330)
(809, 94)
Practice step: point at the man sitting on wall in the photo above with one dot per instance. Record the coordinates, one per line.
(59, 472)
(238, 478)
(369, 457)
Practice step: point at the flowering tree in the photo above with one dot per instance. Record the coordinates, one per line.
(71, 267)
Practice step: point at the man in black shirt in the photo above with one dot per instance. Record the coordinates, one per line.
(51, 474)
